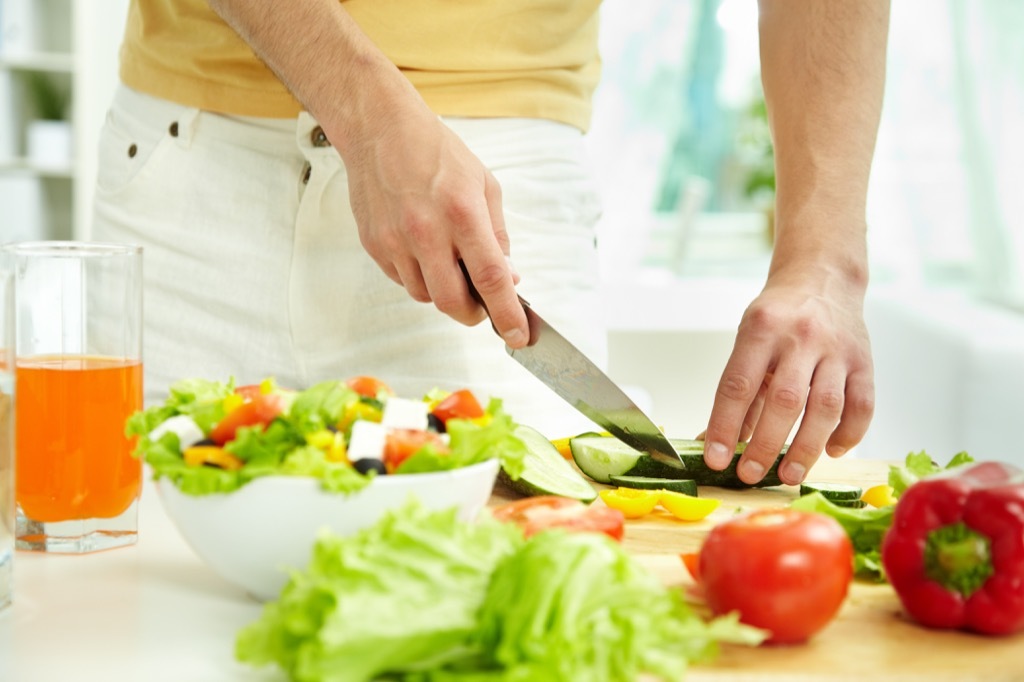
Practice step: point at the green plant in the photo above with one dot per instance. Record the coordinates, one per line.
(755, 142)
(49, 99)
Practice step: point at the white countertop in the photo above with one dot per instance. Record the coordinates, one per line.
(149, 612)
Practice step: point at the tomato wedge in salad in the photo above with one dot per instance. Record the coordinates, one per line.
(261, 410)
(401, 444)
(369, 387)
(535, 514)
(458, 405)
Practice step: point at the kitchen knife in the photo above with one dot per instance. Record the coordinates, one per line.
(568, 372)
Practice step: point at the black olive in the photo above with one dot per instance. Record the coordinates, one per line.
(368, 464)
(434, 423)
(203, 443)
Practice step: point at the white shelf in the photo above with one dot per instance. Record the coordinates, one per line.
(51, 62)
(22, 165)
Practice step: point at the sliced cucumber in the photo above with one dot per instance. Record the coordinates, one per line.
(687, 486)
(546, 471)
(832, 491)
(850, 504)
(602, 457)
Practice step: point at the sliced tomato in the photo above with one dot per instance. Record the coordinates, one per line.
(692, 562)
(534, 514)
(369, 387)
(401, 444)
(458, 405)
(261, 410)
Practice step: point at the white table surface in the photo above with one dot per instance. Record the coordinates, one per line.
(149, 612)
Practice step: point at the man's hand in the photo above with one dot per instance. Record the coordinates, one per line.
(802, 345)
(421, 199)
(799, 349)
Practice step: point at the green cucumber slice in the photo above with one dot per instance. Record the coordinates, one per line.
(832, 491)
(687, 486)
(850, 504)
(545, 471)
(600, 458)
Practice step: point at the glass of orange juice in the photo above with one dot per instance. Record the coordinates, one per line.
(78, 370)
(7, 513)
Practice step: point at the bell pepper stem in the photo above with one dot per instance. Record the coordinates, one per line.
(958, 558)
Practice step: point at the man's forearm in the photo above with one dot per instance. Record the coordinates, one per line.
(823, 70)
(323, 57)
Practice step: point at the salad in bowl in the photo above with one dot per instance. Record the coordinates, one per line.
(250, 475)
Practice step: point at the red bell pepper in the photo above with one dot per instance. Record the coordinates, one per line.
(955, 551)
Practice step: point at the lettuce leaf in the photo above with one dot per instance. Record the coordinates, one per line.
(472, 443)
(321, 405)
(575, 606)
(866, 527)
(398, 596)
(424, 596)
(919, 465)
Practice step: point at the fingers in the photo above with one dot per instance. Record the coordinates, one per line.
(858, 409)
(784, 400)
(824, 406)
(737, 390)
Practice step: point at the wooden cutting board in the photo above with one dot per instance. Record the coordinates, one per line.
(869, 640)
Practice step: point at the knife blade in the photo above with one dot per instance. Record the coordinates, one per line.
(565, 369)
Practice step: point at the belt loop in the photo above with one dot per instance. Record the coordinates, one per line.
(183, 127)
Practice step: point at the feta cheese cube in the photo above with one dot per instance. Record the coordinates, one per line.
(367, 440)
(183, 426)
(403, 413)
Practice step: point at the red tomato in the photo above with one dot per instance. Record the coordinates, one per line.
(534, 514)
(401, 444)
(369, 387)
(459, 405)
(784, 570)
(261, 410)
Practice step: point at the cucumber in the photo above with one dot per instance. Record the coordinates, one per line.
(687, 486)
(833, 492)
(600, 458)
(850, 504)
(546, 471)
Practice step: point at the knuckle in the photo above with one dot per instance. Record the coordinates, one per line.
(829, 401)
(460, 210)
(416, 226)
(787, 397)
(862, 404)
(490, 278)
(808, 329)
(737, 386)
(759, 318)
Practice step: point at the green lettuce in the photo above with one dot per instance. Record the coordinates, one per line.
(399, 596)
(867, 526)
(423, 596)
(919, 465)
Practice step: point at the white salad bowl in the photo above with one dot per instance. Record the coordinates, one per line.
(252, 536)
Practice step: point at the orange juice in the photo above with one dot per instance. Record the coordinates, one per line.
(73, 459)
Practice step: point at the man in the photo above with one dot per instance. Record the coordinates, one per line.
(418, 134)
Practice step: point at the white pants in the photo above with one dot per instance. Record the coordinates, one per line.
(253, 265)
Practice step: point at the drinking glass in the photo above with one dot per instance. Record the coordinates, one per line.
(78, 370)
(6, 431)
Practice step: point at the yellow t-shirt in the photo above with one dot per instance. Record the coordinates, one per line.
(482, 58)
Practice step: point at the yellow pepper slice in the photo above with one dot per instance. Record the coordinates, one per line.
(687, 507)
(211, 454)
(358, 410)
(879, 496)
(633, 503)
(231, 402)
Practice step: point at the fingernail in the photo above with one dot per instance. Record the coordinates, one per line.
(836, 451)
(793, 473)
(751, 471)
(515, 338)
(717, 455)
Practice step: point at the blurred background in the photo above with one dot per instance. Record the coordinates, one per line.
(684, 161)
